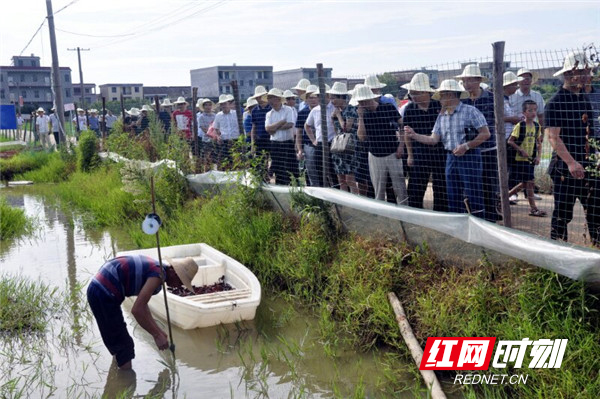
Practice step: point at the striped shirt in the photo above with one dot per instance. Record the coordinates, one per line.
(451, 127)
(126, 275)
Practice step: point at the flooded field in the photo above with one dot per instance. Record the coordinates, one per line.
(277, 355)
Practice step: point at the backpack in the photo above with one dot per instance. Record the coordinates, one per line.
(511, 152)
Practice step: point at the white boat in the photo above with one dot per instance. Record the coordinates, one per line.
(204, 310)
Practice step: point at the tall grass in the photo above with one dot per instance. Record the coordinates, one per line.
(25, 306)
(13, 221)
(100, 194)
(21, 163)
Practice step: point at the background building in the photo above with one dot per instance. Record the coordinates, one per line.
(113, 91)
(171, 92)
(216, 80)
(289, 78)
(89, 94)
(25, 78)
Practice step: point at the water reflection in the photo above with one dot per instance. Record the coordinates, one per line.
(123, 384)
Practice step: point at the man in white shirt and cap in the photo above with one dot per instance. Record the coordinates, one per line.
(279, 123)
(227, 129)
(42, 127)
(301, 91)
(524, 93)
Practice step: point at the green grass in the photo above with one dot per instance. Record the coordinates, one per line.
(21, 163)
(13, 221)
(25, 306)
(101, 196)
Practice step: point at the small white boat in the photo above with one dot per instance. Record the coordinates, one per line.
(204, 310)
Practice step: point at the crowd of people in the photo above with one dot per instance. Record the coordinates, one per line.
(443, 135)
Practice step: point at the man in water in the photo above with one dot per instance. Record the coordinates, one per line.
(134, 275)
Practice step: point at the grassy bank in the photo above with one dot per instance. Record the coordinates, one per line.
(13, 222)
(344, 280)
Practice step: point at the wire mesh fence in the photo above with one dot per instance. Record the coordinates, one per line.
(427, 137)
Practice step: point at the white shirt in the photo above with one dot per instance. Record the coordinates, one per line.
(285, 113)
(82, 121)
(110, 120)
(55, 122)
(516, 101)
(227, 125)
(508, 127)
(314, 119)
(20, 120)
(43, 122)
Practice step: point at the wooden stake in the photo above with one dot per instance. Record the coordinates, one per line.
(415, 349)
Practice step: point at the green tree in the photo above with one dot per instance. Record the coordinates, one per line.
(391, 82)
(546, 90)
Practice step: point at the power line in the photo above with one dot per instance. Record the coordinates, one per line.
(33, 37)
(166, 24)
(70, 4)
(85, 34)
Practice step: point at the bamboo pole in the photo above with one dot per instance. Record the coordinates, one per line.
(415, 349)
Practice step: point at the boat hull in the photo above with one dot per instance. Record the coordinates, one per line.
(205, 310)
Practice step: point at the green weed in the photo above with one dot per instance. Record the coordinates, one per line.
(13, 222)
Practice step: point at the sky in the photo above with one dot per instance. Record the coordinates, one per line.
(157, 43)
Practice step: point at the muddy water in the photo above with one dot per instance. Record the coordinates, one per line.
(277, 355)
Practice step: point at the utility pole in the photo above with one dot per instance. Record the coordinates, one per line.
(80, 72)
(56, 86)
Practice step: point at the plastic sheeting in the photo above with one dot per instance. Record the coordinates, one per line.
(141, 164)
(418, 225)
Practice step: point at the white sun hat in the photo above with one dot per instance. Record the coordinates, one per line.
(524, 71)
(353, 101)
(134, 111)
(419, 82)
(509, 78)
(166, 103)
(251, 102)
(289, 94)
(471, 71)
(363, 93)
(310, 89)
(275, 92)
(40, 109)
(180, 100)
(572, 62)
(225, 98)
(338, 88)
(259, 91)
(80, 110)
(450, 85)
(146, 108)
(373, 83)
(302, 84)
(199, 102)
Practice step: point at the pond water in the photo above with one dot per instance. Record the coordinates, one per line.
(277, 355)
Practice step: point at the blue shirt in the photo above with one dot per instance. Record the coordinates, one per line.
(126, 275)
(94, 122)
(451, 127)
(258, 119)
(300, 121)
(485, 104)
